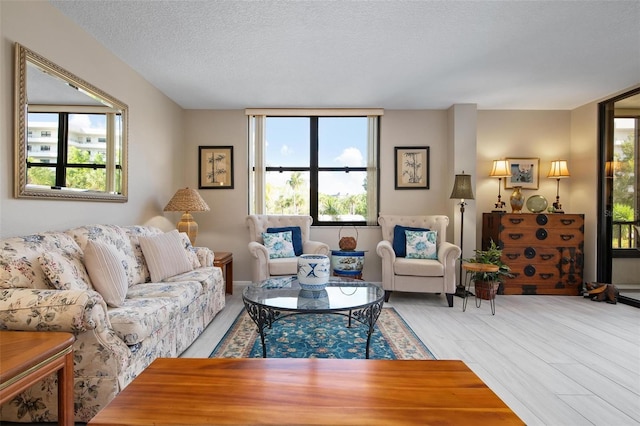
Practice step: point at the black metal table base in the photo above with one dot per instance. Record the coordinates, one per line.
(265, 316)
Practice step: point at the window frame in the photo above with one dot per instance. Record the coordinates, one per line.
(257, 130)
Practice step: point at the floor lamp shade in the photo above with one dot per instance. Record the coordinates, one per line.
(187, 200)
(462, 188)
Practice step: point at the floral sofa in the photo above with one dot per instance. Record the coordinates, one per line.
(46, 284)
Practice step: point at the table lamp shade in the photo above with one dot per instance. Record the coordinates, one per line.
(462, 188)
(500, 169)
(559, 170)
(187, 200)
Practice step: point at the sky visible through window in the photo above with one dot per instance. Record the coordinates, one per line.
(342, 142)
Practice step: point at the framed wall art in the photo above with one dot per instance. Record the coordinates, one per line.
(412, 167)
(525, 172)
(216, 167)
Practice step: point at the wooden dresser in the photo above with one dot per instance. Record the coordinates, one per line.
(544, 251)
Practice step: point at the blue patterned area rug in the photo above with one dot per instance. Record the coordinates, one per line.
(323, 336)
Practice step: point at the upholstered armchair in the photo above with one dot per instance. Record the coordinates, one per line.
(263, 267)
(402, 273)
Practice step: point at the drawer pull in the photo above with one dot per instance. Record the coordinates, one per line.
(547, 256)
(516, 220)
(516, 236)
(541, 234)
(529, 270)
(529, 252)
(546, 276)
(566, 237)
(513, 256)
(542, 219)
(567, 221)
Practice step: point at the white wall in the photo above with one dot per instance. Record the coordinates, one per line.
(155, 124)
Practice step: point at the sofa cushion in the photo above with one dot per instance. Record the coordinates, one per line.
(192, 255)
(165, 255)
(400, 239)
(141, 274)
(296, 236)
(19, 265)
(62, 273)
(151, 306)
(205, 276)
(418, 267)
(106, 272)
(279, 244)
(118, 239)
(421, 244)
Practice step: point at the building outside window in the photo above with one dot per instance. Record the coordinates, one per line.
(319, 164)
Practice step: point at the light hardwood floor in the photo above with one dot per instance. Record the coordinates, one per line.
(555, 360)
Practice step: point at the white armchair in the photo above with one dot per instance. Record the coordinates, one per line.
(262, 267)
(418, 275)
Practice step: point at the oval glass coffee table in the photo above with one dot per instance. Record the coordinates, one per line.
(278, 298)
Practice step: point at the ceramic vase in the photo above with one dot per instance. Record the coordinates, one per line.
(517, 200)
(313, 271)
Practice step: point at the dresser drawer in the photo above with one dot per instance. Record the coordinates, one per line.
(541, 236)
(561, 221)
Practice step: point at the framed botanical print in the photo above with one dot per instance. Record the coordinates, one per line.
(216, 167)
(412, 167)
(525, 172)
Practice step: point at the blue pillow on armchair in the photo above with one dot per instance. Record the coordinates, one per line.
(400, 239)
(296, 236)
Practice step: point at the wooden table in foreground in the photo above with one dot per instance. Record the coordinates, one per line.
(306, 391)
(29, 356)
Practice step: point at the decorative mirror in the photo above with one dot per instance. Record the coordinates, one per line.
(70, 137)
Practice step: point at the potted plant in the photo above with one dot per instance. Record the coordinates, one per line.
(488, 280)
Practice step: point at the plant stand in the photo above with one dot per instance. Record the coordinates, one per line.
(484, 290)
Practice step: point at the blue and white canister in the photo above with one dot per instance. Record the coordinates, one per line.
(313, 271)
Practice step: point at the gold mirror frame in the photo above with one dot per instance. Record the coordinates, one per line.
(23, 57)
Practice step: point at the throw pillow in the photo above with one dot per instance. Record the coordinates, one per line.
(61, 273)
(400, 239)
(190, 250)
(296, 236)
(278, 244)
(165, 255)
(421, 244)
(106, 272)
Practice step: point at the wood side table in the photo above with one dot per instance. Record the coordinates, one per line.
(29, 356)
(224, 260)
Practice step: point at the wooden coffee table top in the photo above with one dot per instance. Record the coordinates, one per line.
(306, 391)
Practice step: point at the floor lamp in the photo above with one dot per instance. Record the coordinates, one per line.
(462, 190)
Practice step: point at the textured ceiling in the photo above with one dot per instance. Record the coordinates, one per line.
(389, 54)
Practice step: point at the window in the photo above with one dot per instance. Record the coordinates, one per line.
(323, 164)
(45, 133)
(68, 165)
(624, 172)
(88, 139)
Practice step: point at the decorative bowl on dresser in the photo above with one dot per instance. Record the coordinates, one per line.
(544, 251)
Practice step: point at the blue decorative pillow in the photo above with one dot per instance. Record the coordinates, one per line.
(400, 239)
(278, 244)
(296, 236)
(421, 244)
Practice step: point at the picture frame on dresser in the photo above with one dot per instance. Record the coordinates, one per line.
(525, 173)
(215, 165)
(411, 167)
